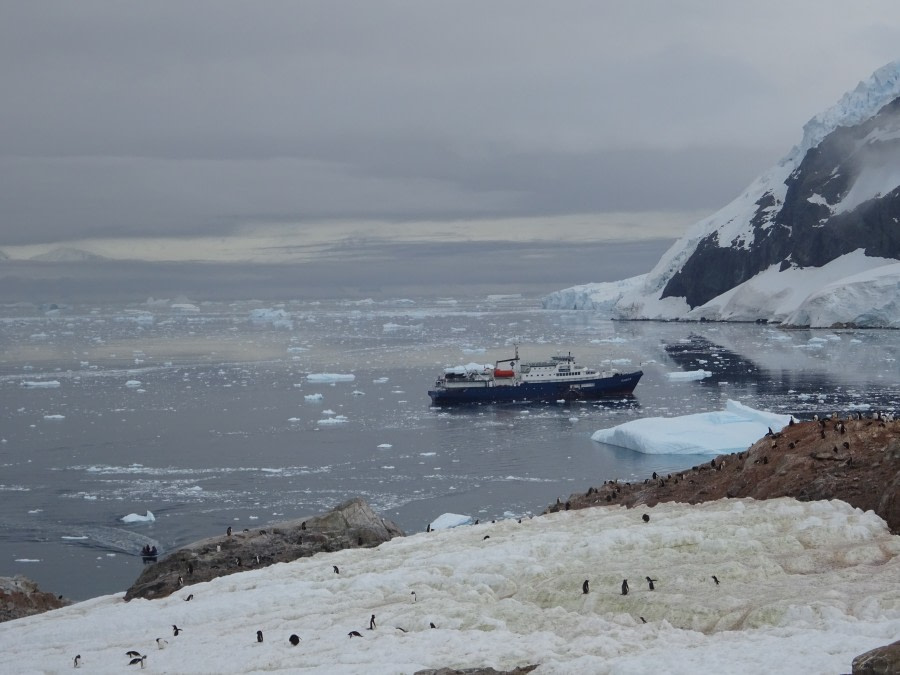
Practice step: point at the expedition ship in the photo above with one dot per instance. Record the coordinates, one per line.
(513, 380)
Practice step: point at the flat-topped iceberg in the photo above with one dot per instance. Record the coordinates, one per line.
(712, 433)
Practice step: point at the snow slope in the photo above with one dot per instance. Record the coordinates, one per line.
(804, 588)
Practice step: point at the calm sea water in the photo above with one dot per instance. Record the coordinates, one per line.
(207, 418)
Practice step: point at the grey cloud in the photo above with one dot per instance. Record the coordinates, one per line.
(177, 118)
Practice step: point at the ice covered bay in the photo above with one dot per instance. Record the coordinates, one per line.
(226, 427)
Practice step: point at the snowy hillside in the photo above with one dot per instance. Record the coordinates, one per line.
(828, 211)
(740, 586)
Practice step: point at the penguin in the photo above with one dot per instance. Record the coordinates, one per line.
(646, 517)
(650, 581)
(624, 586)
(643, 620)
(77, 661)
(431, 623)
(303, 525)
(354, 633)
(336, 570)
(189, 598)
(428, 527)
(585, 587)
(402, 629)
(372, 622)
(161, 644)
(487, 536)
(228, 531)
(715, 579)
(655, 475)
(413, 593)
(259, 637)
(138, 660)
(294, 640)
(180, 582)
(176, 630)
(190, 569)
(131, 652)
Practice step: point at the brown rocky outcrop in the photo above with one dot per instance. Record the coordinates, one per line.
(351, 524)
(856, 461)
(879, 661)
(20, 596)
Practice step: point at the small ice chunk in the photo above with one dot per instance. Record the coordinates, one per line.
(447, 520)
(339, 419)
(137, 518)
(313, 397)
(688, 375)
(41, 384)
(330, 377)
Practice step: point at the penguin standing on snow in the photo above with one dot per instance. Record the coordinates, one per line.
(78, 660)
(259, 637)
(294, 640)
(585, 587)
(372, 623)
(650, 581)
(624, 586)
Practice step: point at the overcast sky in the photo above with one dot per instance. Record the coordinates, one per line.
(126, 119)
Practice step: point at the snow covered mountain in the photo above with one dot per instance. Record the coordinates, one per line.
(813, 241)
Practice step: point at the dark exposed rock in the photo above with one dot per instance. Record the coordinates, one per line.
(879, 661)
(352, 524)
(800, 463)
(20, 596)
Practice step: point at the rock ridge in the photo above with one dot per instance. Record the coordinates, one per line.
(351, 524)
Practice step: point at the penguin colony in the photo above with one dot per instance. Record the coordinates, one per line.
(828, 426)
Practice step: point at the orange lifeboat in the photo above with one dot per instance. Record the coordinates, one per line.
(503, 373)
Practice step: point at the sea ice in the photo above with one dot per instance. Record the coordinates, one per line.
(338, 419)
(137, 518)
(689, 375)
(313, 397)
(713, 433)
(447, 520)
(41, 384)
(330, 377)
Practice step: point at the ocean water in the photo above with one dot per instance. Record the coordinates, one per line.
(206, 415)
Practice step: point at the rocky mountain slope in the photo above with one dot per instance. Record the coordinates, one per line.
(830, 207)
(854, 460)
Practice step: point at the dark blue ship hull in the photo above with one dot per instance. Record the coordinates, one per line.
(523, 392)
